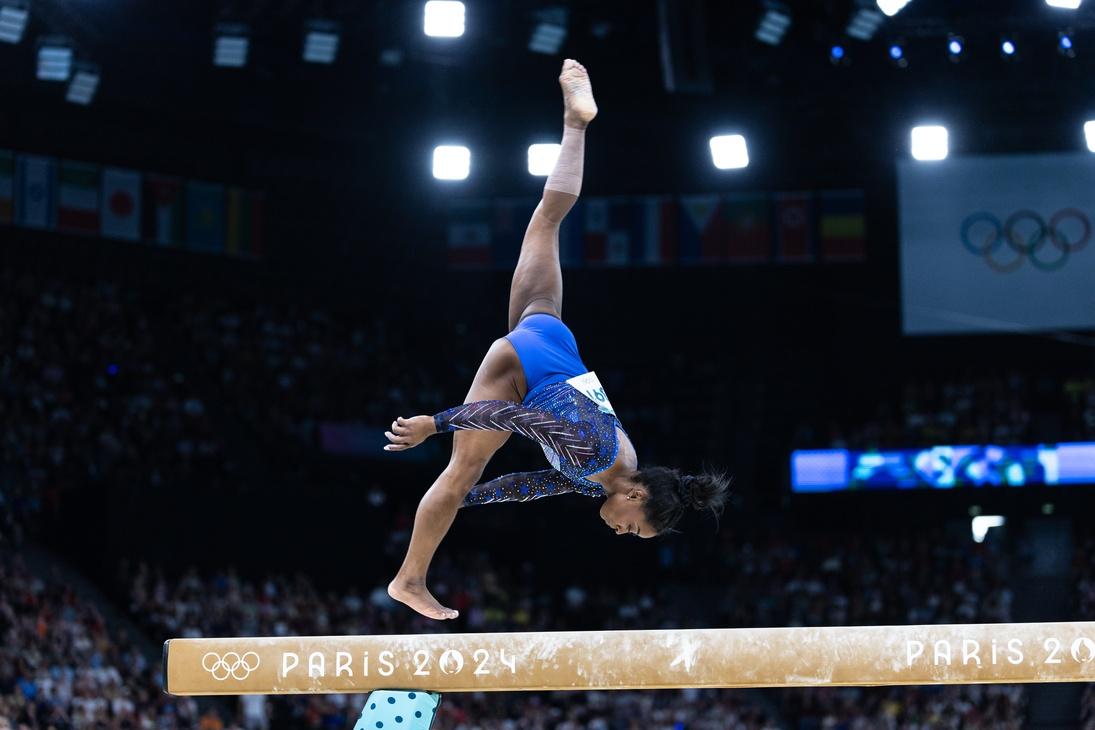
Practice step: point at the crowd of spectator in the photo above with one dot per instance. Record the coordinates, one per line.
(127, 387)
(805, 579)
(669, 710)
(1083, 569)
(823, 579)
(93, 391)
(833, 578)
(857, 708)
(1008, 408)
(116, 386)
(491, 598)
(60, 667)
(1083, 581)
(867, 577)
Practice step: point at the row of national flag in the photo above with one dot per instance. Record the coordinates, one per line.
(727, 228)
(45, 193)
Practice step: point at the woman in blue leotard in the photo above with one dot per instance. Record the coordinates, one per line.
(533, 382)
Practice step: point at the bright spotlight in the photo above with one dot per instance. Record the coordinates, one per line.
(981, 524)
(955, 46)
(444, 19)
(891, 7)
(231, 45)
(547, 38)
(1008, 48)
(13, 20)
(321, 39)
(451, 162)
(773, 24)
(1066, 4)
(1089, 134)
(729, 152)
(929, 143)
(541, 159)
(54, 59)
(550, 30)
(864, 24)
(84, 84)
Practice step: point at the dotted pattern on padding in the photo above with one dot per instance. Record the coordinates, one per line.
(398, 710)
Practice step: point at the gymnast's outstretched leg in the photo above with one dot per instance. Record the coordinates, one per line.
(537, 287)
(538, 279)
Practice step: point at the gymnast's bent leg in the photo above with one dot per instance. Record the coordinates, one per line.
(499, 378)
(537, 287)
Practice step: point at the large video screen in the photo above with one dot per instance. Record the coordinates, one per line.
(997, 244)
(943, 467)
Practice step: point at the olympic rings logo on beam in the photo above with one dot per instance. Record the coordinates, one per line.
(230, 665)
(1026, 235)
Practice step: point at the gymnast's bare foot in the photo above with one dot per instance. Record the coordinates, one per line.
(414, 594)
(577, 95)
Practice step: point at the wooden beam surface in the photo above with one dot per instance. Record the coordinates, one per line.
(770, 657)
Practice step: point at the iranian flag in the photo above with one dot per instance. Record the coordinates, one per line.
(121, 204)
(78, 197)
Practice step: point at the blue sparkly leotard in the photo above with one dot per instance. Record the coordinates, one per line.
(578, 438)
(578, 435)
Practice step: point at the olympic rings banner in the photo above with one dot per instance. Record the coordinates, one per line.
(997, 244)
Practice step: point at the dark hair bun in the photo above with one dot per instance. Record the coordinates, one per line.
(706, 491)
(670, 494)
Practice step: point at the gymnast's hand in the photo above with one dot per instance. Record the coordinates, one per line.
(407, 433)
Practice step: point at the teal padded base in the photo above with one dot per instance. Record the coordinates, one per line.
(398, 710)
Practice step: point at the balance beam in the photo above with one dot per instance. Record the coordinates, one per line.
(772, 657)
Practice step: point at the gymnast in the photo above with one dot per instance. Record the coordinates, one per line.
(532, 382)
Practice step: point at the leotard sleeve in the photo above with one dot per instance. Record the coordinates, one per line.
(568, 439)
(520, 487)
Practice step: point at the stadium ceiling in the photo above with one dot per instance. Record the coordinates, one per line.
(155, 55)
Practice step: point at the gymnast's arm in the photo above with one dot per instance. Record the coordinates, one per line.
(569, 440)
(520, 487)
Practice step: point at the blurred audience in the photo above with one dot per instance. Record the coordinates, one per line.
(111, 386)
(1009, 408)
(824, 579)
(129, 388)
(61, 668)
(1083, 573)
(861, 708)
(834, 578)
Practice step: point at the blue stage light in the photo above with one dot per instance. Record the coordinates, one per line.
(1064, 44)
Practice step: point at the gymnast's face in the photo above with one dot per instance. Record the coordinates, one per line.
(623, 513)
